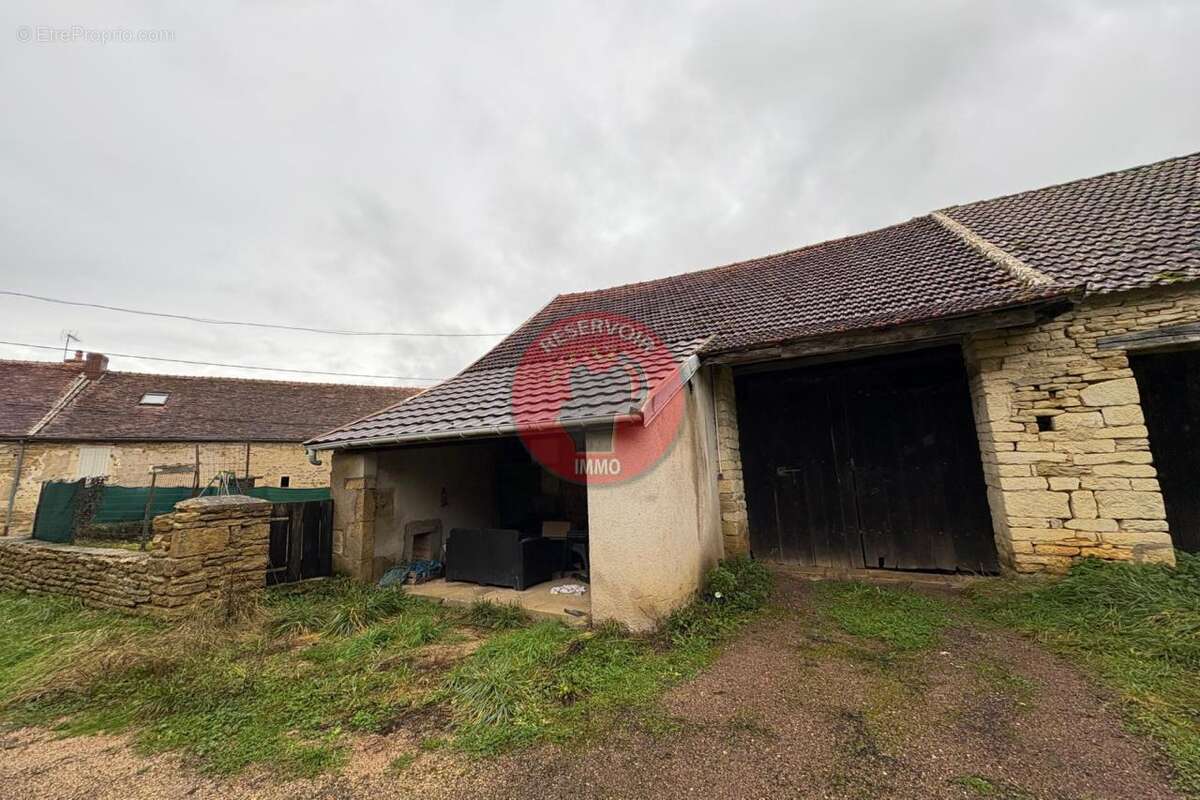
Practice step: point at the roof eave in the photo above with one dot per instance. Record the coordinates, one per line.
(487, 432)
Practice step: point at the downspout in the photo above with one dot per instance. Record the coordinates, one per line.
(12, 492)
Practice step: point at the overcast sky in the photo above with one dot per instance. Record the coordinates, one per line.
(451, 166)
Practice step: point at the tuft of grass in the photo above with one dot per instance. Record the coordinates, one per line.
(1137, 628)
(732, 590)
(983, 787)
(340, 607)
(402, 762)
(490, 616)
(903, 620)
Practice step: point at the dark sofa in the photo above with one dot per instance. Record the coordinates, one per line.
(501, 557)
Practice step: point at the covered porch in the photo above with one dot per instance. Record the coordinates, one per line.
(507, 529)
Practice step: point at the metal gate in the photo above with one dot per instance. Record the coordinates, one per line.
(301, 545)
(871, 463)
(1169, 384)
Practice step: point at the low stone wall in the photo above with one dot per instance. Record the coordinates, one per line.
(205, 553)
(101, 577)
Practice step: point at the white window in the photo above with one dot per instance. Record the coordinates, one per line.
(154, 399)
(93, 462)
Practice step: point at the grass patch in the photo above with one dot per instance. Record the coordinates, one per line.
(1137, 628)
(546, 682)
(401, 763)
(998, 790)
(286, 683)
(901, 619)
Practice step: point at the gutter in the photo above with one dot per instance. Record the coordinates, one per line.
(12, 492)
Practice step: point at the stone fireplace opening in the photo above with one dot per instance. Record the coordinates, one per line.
(423, 540)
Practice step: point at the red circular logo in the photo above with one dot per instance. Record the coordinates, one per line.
(596, 398)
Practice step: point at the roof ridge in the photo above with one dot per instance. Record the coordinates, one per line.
(1022, 272)
(76, 388)
(1071, 182)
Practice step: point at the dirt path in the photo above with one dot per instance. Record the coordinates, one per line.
(792, 709)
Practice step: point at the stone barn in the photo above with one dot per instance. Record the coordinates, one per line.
(1006, 385)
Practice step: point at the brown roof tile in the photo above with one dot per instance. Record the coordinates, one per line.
(197, 408)
(28, 390)
(1124, 230)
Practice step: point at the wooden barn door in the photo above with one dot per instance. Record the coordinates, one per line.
(871, 463)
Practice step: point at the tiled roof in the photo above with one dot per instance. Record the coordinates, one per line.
(1117, 231)
(197, 408)
(481, 402)
(28, 390)
(1124, 230)
(913, 271)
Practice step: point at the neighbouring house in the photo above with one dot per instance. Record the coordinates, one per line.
(1011, 384)
(78, 419)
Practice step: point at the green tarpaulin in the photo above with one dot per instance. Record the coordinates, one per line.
(55, 519)
(128, 504)
(56, 506)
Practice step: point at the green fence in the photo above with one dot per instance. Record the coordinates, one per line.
(55, 520)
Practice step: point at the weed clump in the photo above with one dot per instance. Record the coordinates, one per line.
(732, 590)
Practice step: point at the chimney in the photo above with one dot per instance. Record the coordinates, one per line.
(94, 365)
(78, 359)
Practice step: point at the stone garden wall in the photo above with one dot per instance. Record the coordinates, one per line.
(209, 551)
(1066, 452)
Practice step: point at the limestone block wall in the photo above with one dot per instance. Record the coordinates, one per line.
(735, 524)
(40, 459)
(130, 463)
(1066, 452)
(209, 551)
(353, 485)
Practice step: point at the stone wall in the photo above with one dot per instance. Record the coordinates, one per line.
(130, 462)
(101, 577)
(353, 484)
(1066, 453)
(735, 525)
(207, 552)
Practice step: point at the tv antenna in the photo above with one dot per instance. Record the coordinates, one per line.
(68, 337)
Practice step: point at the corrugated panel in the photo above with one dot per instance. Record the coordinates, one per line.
(93, 462)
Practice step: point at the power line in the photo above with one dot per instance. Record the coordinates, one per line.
(208, 321)
(57, 348)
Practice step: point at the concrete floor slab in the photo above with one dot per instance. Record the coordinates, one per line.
(537, 601)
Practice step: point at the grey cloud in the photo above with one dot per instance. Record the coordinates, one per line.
(453, 166)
